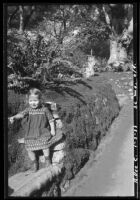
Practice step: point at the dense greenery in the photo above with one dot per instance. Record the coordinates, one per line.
(58, 50)
(37, 64)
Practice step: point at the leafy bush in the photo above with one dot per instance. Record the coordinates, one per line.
(36, 63)
(74, 161)
(77, 57)
(15, 104)
(121, 67)
(101, 64)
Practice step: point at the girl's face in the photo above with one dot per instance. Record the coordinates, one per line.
(34, 101)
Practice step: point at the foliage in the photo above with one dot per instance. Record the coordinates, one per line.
(74, 161)
(63, 18)
(123, 67)
(38, 64)
(76, 56)
(100, 65)
(32, 15)
(91, 34)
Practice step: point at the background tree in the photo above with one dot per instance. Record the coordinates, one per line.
(20, 16)
(119, 18)
(21, 21)
(107, 22)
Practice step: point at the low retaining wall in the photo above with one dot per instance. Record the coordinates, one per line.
(26, 184)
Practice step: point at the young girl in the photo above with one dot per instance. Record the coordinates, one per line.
(40, 127)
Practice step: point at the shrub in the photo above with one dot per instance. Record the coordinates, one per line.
(37, 63)
(76, 56)
(15, 104)
(74, 161)
(100, 65)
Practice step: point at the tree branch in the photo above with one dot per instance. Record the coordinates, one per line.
(21, 12)
(106, 16)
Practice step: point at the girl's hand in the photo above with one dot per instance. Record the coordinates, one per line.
(11, 119)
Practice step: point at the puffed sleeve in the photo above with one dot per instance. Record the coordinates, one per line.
(49, 115)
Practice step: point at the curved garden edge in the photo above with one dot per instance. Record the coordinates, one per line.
(99, 161)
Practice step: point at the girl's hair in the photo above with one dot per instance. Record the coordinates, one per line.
(34, 91)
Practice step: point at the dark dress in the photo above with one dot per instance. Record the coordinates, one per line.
(37, 130)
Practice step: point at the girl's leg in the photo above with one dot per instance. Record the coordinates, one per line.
(32, 156)
(46, 153)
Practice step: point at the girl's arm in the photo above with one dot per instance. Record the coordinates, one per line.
(52, 125)
(51, 121)
(18, 116)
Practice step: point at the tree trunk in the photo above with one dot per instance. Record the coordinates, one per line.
(118, 55)
(120, 38)
(113, 52)
(130, 27)
(122, 53)
(21, 18)
(119, 47)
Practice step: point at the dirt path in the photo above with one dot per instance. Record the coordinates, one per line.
(110, 173)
